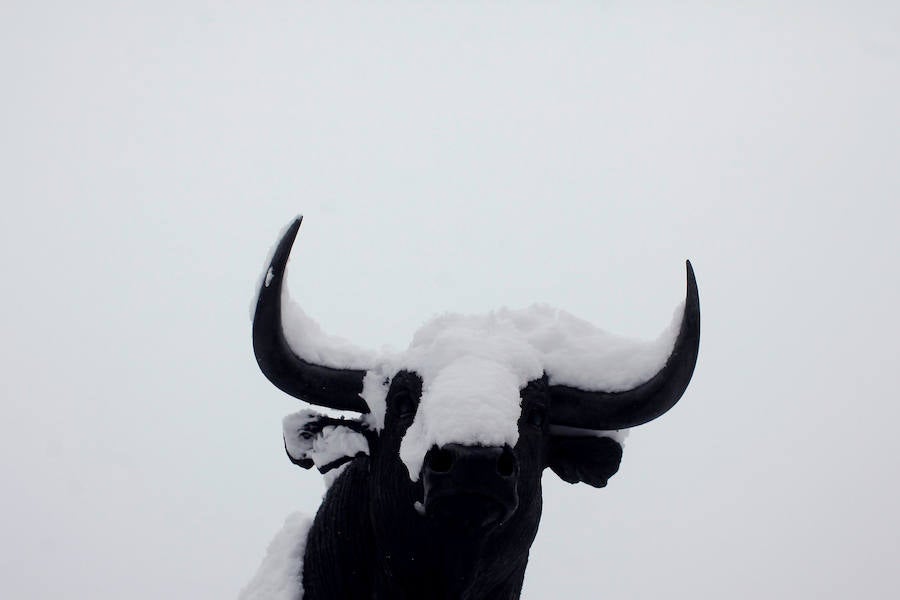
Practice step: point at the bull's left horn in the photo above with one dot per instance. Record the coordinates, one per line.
(601, 410)
(313, 383)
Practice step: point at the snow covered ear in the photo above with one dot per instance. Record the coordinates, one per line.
(592, 460)
(311, 439)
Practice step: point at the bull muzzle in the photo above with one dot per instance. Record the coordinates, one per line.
(470, 486)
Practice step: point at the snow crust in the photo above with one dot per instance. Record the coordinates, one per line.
(279, 577)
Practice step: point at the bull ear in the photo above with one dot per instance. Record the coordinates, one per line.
(312, 439)
(592, 460)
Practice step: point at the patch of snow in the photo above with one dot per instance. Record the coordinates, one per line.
(337, 442)
(280, 576)
(578, 354)
(308, 341)
(375, 389)
(269, 275)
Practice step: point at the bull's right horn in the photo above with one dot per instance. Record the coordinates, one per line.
(313, 383)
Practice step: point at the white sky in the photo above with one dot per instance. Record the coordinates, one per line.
(458, 159)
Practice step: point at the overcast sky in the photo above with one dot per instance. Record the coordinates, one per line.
(450, 159)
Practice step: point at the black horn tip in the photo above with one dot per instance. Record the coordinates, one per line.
(692, 299)
(691, 279)
(283, 250)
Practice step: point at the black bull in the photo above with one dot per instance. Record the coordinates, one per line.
(464, 529)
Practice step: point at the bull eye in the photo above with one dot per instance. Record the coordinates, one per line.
(506, 465)
(404, 407)
(536, 417)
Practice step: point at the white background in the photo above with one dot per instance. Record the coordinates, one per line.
(457, 158)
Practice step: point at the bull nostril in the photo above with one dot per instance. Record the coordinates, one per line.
(441, 460)
(506, 464)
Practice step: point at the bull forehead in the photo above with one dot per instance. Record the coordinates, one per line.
(471, 401)
(474, 366)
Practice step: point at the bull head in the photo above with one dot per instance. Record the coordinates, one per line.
(467, 473)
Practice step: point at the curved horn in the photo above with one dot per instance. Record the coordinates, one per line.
(574, 407)
(316, 384)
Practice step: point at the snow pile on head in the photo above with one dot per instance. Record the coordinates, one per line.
(540, 339)
(279, 577)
